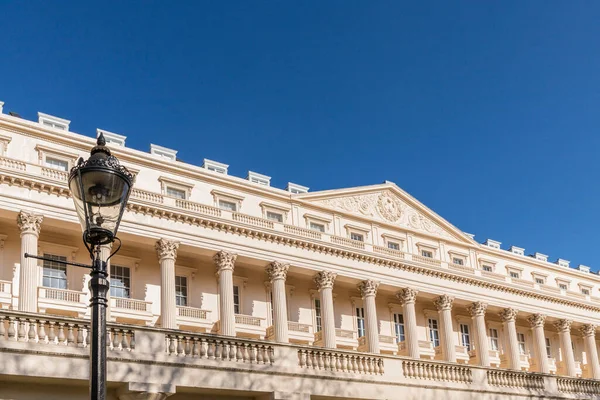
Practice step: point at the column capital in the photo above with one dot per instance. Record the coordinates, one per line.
(563, 325)
(277, 270)
(224, 260)
(407, 295)
(508, 314)
(368, 287)
(536, 320)
(166, 248)
(444, 302)
(588, 330)
(29, 222)
(324, 279)
(477, 309)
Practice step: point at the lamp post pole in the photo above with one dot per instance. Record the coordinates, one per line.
(99, 286)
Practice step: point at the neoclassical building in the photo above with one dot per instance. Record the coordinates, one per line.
(229, 288)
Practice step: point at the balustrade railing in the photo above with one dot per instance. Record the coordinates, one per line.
(248, 320)
(12, 164)
(388, 251)
(130, 304)
(302, 232)
(191, 312)
(250, 220)
(515, 379)
(437, 371)
(147, 196)
(578, 385)
(347, 242)
(197, 346)
(340, 362)
(70, 296)
(55, 174)
(298, 327)
(426, 260)
(462, 268)
(199, 208)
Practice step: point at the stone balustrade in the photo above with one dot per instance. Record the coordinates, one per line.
(515, 379)
(578, 386)
(337, 361)
(437, 371)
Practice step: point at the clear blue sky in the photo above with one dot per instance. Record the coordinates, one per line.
(487, 112)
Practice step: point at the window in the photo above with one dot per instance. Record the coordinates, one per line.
(393, 245)
(521, 340)
(427, 253)
(259, 179)
(357, 236)
(585, 291)
(294, 188)
(399, 327)
(236, 300)
(177, 193)
(163, 152)
(181, 290)
(55, 274)
(55, 125)
(540, 281)
(434, 333)
(274, 216)
(215, 166)
(515, 275)
(318, 319)
(465, 337)
(317, 227)
(458, 261)
(563, 286)
(227, 205)
(360, 321)
(494, 339)
(120, 281)
(53, 122)
(548, 348)
(487, 268)
(62, 165)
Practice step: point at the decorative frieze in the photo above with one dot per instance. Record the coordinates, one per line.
(29, 222)
(508, 314)
(563, 325)
(537, 320)
(443, 302)
(368, 287)
(407, 295)
(277, 270)
(166, 248)
(224, 260)
(478, 308)
(325, 279)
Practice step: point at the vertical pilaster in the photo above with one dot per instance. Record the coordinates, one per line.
(408, 297)
(166, 250)
(225, 263)
(30, 225)
(368, 291)
(277, 273)
(509, 318)
(563, 326)
(444, 307)
(477, 311)
(537, 321)
(324, 281)
(588, 331)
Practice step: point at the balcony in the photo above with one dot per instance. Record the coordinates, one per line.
(494, 356)
(246, 326)
(194, 318)
(523, 361)
(387, 344)
(61, 302)
(297, 332)
(344, 339)
(426, 350)
(462, 355)
(127, 310)
(426, 260)
(5, 294)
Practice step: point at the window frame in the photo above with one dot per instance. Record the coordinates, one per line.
(57, 267)
(215, 167)
(522, 345)
(164, 153)
(317, 220)
(563, 281)
(187, 291)
(466, 333)
(398, 327)
(258, 179)
(219, 196)
(455, 255)
(359, 318)
(168, 183)
(44, 152)
(274, 208)
(433, 338)
(494, 338)
(387, 239)
(130, 262)
(112, 284)
(53, 122)
(421, 247)
(358, 231)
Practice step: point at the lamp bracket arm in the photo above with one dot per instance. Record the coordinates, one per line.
(27, 255)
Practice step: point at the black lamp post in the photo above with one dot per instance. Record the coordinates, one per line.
(100, 187)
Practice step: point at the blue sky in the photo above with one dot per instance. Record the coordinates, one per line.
(487, 112)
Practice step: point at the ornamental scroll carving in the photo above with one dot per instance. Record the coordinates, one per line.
(166, 248)
(325, 279)
(444, 302)
(588, 330)
(537, 320)
(224, 260)
(407, 295)
(388, 207)
(477, 309)
(29, 222)
(368, 288)
(277, 270)
(563, 325)
(508, 315)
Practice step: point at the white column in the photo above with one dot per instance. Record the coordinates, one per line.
(368, 291)
(537, 321)
(408, 297)
(444, 307)
(324, 281)
(588, 331)
(29, 224)
(166, 250)
(563, 326)
(225, 263)
(277, 273)
(477, 311)
(509, 318)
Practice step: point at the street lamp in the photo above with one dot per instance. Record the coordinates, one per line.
(100, 187)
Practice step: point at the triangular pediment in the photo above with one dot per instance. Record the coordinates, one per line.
(389, 204)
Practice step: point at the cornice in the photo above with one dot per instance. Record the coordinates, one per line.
(216, 223)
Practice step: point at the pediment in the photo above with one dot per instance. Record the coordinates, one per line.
(389, 204)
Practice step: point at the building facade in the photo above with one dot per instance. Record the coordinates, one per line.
(228, 288)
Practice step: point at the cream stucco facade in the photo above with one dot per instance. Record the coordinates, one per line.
(229, 288)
